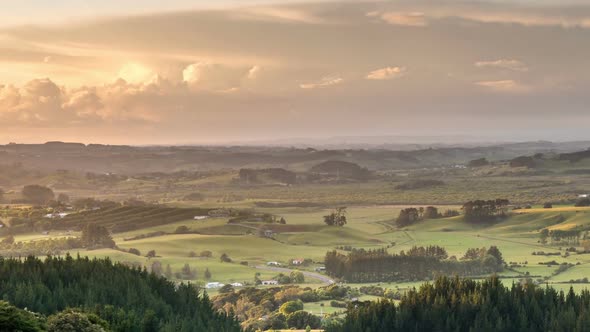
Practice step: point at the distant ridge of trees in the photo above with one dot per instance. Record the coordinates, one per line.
(249, 175)
(342, 169)
(575, 156)
(479, 162)
(463, 305)
(523, 161)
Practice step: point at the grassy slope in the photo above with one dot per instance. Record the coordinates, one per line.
(517, 238)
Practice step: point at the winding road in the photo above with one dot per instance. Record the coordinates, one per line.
(325, 279)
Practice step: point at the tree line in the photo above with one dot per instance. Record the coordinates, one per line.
(485, 210)
(410, 216)
(418, 264)
(463, 305)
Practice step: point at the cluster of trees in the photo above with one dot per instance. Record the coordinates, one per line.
(568, 236)
(126, 299)
(19, 320)
(454, 304)
(51, 246)
(485, 211)
(295, 277)
(418, 264)
(92, 237)
(38, 195)
(341, 170)
(429, 251)
(478, 162)
(279, 307)
(412, 215)
(336, 218)
(380, 292)
(96, 236)
(282, 175)
(583, 202)
(523, 161)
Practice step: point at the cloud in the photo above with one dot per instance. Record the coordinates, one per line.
(282, 14)
(412, 19)
(37, 101)
(514, 65)
(216, 77)
(420, 15)
(83, 102)
(324, 82)
(136, 73)
(387, 73)
(42, 103)
(505, 86)
(254, 72)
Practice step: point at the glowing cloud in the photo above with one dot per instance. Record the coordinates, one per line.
(135, 73)
(324, 82)
(504, 86)
(387, 73)
(412, 19)
(514, 65)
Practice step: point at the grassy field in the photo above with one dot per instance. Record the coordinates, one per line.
(306, 236)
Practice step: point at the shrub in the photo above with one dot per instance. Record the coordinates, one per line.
(134, 251)
(291, 306)
(182, 230)
(301, 319)
(337, 304)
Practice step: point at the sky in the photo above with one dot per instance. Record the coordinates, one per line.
(191, 72)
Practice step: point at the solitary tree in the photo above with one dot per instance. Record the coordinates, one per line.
(151, 254)
(63, 198)
(37, 194)
(336, 218)
(544, 235)
(96, 236)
